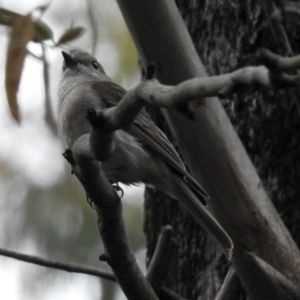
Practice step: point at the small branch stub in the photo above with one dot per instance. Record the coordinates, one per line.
(150, 71)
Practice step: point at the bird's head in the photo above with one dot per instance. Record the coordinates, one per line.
(79, 63)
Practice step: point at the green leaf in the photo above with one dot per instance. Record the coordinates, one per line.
(8, 17)
(42, 31)
(70, 35)
(22, 32)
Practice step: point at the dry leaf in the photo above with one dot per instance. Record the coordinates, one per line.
(42, 31)
(22, 32)
(71, 34)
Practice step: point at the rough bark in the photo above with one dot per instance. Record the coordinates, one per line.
(267, 122)
(227, 35)
(198, 267)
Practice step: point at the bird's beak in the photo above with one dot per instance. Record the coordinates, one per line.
(69, 60)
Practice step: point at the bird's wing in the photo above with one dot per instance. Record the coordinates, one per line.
(144, 129)
(155, 141)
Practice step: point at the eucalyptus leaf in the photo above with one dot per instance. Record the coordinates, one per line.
(42, 31)
(22, 32)
(70, 35)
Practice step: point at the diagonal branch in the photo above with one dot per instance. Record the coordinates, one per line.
(230, 286)
(277, 28)
(150, 91)
(110, 222)
(81, 269)
(161, 258)
(73, 268)
(276, 286)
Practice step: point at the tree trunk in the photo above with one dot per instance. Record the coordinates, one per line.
(226, 36)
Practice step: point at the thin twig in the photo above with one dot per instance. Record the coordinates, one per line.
(230, 286)
(277, 29)
(281, 39)
(276, 62)
(166, 294)
(73, 268)
(34, 56)
(161, 258)
(94, 26)
(49, 118)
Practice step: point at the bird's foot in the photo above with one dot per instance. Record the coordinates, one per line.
(90, 202)
(116, 186)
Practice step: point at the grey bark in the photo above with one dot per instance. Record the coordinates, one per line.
(267, 122)
(226, 36)
(231, 45)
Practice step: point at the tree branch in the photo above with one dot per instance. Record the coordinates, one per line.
(220, 163)
(276, 286)
(73, 268)
(156, 271)
(81, 269)
(150, 91)
(277, 28)
(110, 223)
(276, 62)
(280, 37)
(230, 286)
(161, 258)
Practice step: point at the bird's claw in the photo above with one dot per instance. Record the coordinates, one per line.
(90, 202)
(117, 188)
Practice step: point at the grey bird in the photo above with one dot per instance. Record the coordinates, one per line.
(142, 152)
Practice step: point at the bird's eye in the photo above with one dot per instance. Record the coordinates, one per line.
(95, 65)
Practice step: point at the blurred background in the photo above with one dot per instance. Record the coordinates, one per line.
(43, 209)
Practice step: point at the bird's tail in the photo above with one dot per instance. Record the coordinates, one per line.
(203, 216)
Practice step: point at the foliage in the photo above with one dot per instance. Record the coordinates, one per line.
(21, 33)
(56, 220)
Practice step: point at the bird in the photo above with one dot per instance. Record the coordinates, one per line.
(142, 154)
